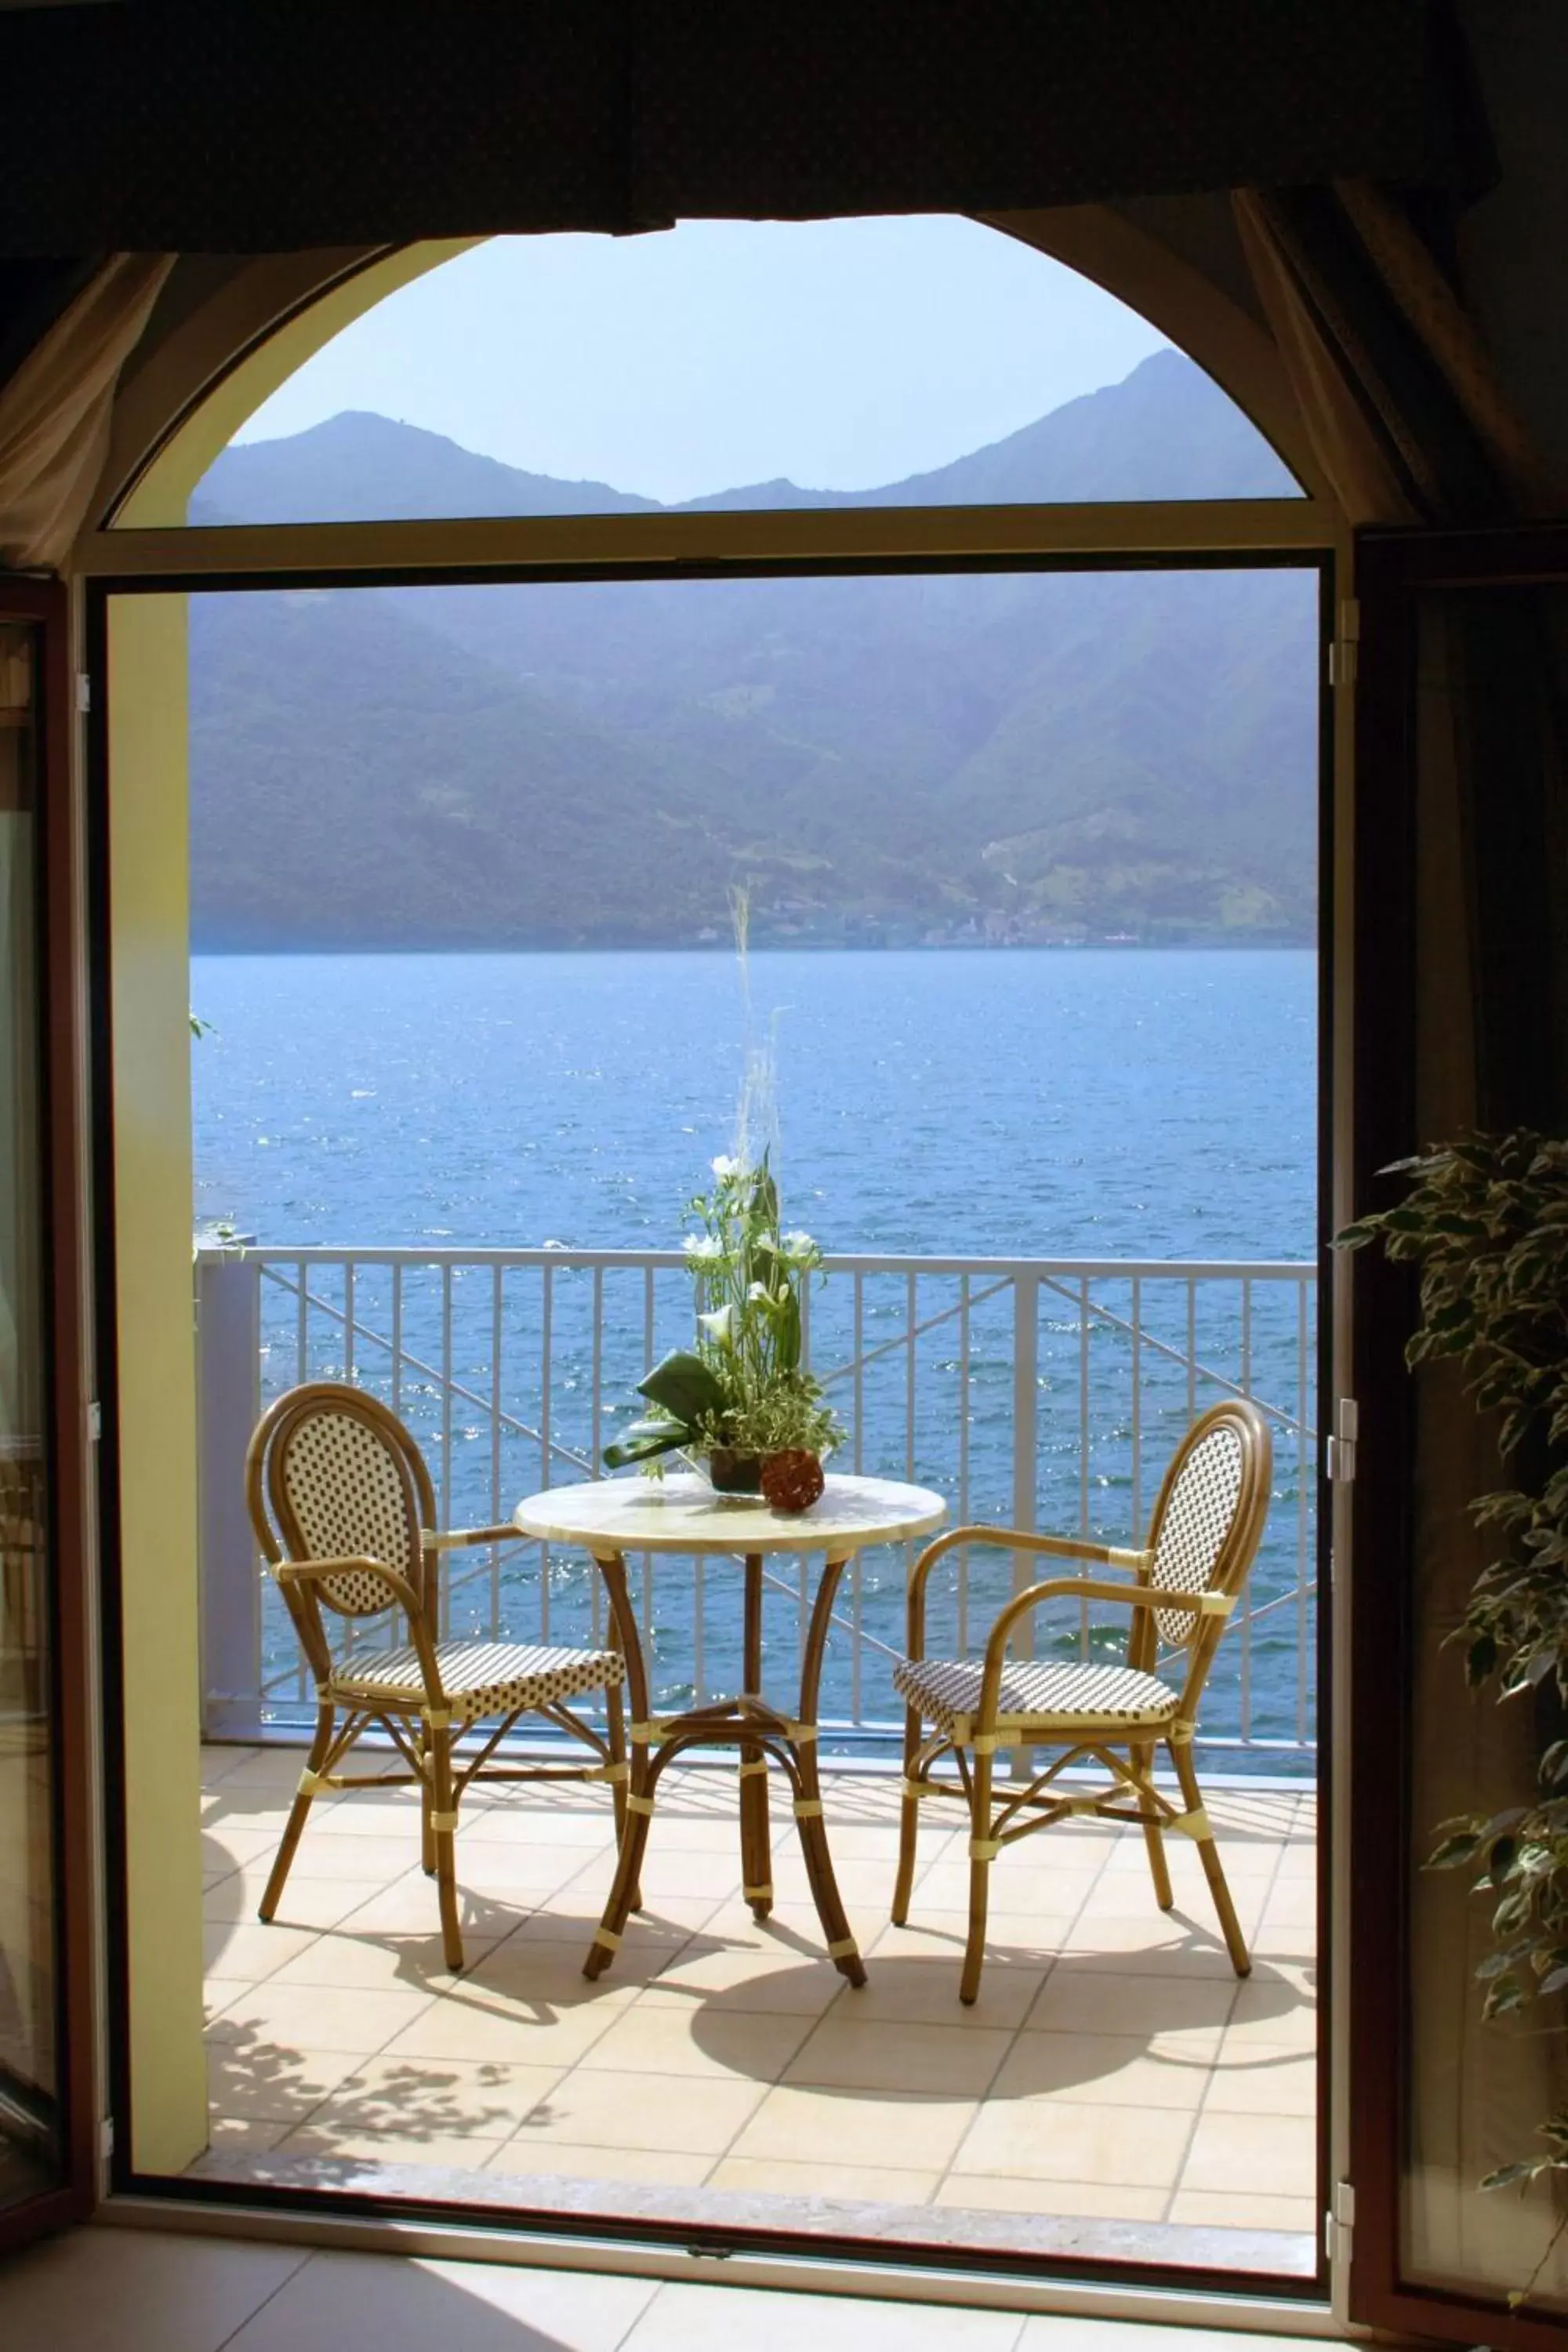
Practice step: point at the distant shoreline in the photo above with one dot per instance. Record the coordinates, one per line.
(780, 947)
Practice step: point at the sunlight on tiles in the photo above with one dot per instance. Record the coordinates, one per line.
(1112, 2071)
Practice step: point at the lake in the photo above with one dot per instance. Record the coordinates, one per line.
(1090, 1103)
(1055, 1102)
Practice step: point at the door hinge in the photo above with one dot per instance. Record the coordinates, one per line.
(106, 2138)
(83, 690)
(1343, 647)
(1342, 1444)
(94, 1422)
(1339, 2224)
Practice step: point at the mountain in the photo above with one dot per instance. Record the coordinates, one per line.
(1006, 756)
(346, 469)
(1166, 431)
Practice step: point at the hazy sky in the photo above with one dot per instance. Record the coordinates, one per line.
(842, 353)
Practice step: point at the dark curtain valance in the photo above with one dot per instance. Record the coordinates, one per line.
(157, 125)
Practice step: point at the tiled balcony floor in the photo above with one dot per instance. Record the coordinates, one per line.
(1115, 2088)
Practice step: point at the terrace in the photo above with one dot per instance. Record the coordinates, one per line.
(1115, 2093)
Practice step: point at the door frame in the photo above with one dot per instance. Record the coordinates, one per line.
(69, 1441)
(236, 560)
(1391, 569)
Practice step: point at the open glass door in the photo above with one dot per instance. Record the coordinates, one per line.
(43, 2153)
(1462, 1021)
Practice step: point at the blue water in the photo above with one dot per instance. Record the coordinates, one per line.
(1056, 1103)
(1104, 1104)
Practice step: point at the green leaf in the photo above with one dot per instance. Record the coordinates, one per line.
(1507, 2175)
(645, 1442)
(685, 1386)
(789, 1333)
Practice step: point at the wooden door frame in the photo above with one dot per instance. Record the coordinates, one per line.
(362, 557)
(45, 604)
(1391, 569)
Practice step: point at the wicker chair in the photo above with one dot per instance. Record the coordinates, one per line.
(343, 1510)
(1208, 1519)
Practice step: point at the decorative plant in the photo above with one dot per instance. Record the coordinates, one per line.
(743, 1388)
(1487, 1220)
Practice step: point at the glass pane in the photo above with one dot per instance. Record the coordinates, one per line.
(1492, 1030)
(29, 2142)
(739, 365)
(1032, 871)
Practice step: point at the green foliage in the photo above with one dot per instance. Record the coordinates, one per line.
(1486, 1218)
(744, 1386)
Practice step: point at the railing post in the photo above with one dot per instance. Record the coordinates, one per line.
(1026, 1459)
(228, 1404)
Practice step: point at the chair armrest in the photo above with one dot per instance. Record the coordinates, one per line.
(321, 1571)
(1080, 1588)
(1007, 1539)
(455, 1538)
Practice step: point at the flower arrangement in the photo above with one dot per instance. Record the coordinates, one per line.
(742, 1397)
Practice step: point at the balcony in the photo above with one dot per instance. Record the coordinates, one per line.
(1115, 2094)
(1030, 1392)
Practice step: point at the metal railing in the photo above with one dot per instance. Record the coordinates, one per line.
(1029, 1392)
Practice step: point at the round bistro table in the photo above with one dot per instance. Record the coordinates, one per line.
(611, 1516)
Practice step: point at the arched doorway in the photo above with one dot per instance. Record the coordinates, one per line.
(144, 661)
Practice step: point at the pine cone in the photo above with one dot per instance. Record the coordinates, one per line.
(793, 1481)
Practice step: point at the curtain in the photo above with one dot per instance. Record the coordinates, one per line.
(1396, 390)
(55, 411)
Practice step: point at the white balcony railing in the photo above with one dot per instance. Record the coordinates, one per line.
(1030, 1392)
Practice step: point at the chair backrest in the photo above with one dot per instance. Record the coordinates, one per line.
(332, 1474)
(1209, 1514)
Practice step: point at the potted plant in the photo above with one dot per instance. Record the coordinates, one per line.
(742, 1401)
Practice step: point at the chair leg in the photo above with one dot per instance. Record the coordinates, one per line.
(320, 1749)
(1208, 1854)
(426, 1807)
(444, 1830)
(908, 1820)
(979, 1881)
(1153, 1835)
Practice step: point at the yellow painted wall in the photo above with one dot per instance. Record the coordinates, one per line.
(150, 981)
(149, 891)
(160, 494)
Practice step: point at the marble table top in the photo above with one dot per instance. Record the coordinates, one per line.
(684, 1514)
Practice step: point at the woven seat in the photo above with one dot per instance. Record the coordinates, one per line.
(1033, 1701)
(1207, 1524)
(483, 1678)
(345, 1513)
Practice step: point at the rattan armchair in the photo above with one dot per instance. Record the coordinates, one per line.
(345, 1513)
(1207, 1522)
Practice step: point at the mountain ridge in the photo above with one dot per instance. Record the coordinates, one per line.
(343, 469)
(1017, 757)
